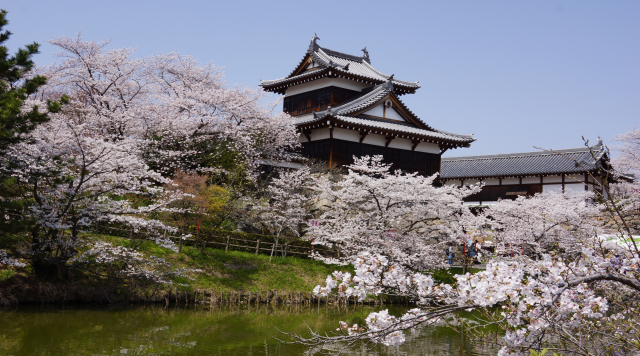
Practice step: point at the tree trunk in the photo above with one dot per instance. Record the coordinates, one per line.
(274, 247)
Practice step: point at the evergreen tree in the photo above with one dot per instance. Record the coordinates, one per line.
(15, 87)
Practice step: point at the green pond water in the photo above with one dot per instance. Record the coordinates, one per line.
(198, 330)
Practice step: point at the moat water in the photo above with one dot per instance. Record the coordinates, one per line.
(200, 330)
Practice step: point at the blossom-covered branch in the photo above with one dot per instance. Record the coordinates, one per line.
(402, 216)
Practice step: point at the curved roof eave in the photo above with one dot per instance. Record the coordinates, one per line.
(343, 64)
(387, 127)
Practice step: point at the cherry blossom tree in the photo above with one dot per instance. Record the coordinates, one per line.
(577, 295)
(285, 210)
(541, 303)
(182, 110)
(626, 188)
(548, 221)
(74, 178)
(130, 123)
(628, 160)
(401, 216)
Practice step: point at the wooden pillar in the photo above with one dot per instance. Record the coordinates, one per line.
(330, 146)
(258, 246)
(226, 248)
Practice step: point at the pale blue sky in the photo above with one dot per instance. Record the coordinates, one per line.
(518, 74)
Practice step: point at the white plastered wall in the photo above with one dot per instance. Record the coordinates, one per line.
(370, 139)
(493, 181)
(325, 82)
(471, 181)
(373, 139)
(401, 143)
(552, 179)
(375, 111)
(389, 113)
(548, 188)
(392, 114)
(346, 135)
(510, 181)
(574, 178)
(531, 180)
(428, 147)
(320, 134)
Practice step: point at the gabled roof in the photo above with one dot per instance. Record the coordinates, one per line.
(336, 64)
(573, 160)
(346, 115)
(378, 94)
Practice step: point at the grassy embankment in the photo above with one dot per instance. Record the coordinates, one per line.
(220, 274)
(290, 274)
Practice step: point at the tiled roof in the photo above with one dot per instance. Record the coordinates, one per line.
(574, 160)
(368, 100)
(339, 64)
(342, 111)
(387, 126)
(360, 103)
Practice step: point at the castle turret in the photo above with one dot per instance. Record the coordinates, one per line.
(344, 107)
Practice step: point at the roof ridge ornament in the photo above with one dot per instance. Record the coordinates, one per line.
(366, 54)
(346, 67)
(313, 46)
(389, 84)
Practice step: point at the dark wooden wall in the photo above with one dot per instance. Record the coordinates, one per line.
(495, 192)
(340, 152)
(316, 100)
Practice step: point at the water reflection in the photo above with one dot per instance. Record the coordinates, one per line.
(197, 330)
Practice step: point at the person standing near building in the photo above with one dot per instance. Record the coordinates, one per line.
(450, 253)
(472, 250)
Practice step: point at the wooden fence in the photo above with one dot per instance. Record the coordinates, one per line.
(285, 248)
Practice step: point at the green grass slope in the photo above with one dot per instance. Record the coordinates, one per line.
(222, 271)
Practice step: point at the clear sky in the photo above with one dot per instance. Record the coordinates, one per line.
(518, 74)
